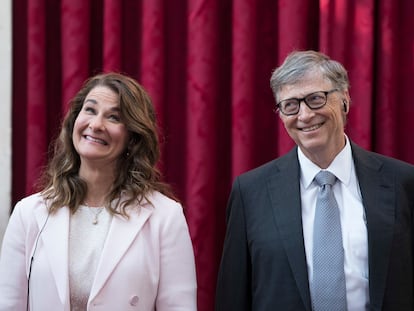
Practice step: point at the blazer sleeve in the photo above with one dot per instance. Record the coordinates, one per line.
(177, 285)
(233, 283)
(13, 279)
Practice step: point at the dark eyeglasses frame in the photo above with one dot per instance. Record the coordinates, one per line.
(303, 99)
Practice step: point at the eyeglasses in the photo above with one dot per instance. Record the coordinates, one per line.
(316, 100)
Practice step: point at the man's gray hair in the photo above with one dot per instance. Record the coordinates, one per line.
(298, 63)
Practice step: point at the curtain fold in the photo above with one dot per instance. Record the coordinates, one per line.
(202, 149)
(36, 90)
(244, 64)
(207, 65)
(112, 35)
(75, 47)
(348, 37)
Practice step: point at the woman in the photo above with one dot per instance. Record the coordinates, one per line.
(104, 232)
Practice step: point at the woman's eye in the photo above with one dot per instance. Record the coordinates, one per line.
(114, 117)
(89, 109)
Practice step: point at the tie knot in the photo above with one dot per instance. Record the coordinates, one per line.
(325, 178)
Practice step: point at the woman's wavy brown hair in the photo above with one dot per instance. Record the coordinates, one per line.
(137, 173)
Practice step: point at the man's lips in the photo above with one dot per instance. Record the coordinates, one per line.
(95, 140)
(311, 128)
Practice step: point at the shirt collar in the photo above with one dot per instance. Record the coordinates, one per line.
(341, 166)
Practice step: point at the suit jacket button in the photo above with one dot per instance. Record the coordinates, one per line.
(134, 300)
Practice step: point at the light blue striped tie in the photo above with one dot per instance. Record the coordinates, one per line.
(328, 287)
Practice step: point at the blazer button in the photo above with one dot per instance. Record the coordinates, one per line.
(134, 300)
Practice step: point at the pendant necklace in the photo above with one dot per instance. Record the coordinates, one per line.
(95, 211)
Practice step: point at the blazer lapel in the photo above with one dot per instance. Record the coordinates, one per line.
(378, 197)
(284, 189)
(121, 235)
(55, 237)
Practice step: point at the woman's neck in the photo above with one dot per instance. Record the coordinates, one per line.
(99, 184)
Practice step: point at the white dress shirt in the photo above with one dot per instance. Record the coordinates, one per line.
(353, 223)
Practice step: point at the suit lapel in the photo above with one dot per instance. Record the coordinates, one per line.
(121, 235)
(378, 196)
(55, 237)
(284, 189)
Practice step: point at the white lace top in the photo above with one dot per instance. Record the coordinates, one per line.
(88, 230)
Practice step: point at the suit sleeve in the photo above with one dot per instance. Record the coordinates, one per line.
(234, 277)
(13, 279)
(177, 289)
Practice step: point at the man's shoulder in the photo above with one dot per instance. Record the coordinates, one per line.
(372, 158)
(269, 168)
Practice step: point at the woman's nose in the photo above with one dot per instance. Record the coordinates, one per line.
(96, 123)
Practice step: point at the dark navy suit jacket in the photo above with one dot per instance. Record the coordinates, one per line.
(263, 265)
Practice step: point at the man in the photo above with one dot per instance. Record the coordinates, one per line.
(276, 256)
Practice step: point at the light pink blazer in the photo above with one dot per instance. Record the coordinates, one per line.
(147, 262)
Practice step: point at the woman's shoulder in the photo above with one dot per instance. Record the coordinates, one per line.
(162, 205)
(31, 201)
(155, 201)
(29, 206)
(162, 199)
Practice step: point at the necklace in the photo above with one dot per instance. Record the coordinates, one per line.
(95, 211)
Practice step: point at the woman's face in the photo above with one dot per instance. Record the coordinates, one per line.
(99, 135)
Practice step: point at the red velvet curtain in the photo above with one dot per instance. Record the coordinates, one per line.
(207, 64)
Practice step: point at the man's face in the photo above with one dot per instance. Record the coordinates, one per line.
(318, 132)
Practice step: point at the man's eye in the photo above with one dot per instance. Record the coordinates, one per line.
(290, 104)
(316, 98)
